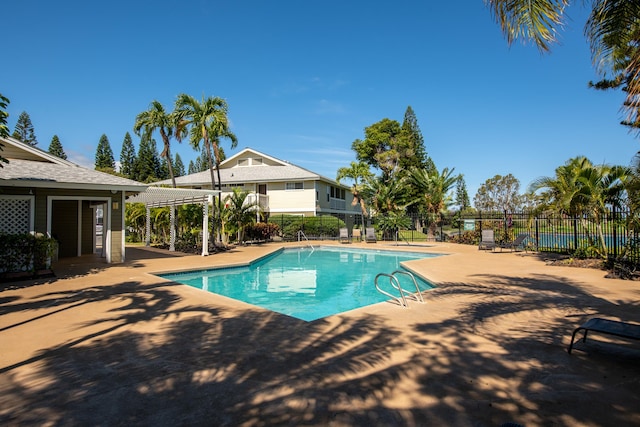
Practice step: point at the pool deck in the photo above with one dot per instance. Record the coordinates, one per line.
(115, 345)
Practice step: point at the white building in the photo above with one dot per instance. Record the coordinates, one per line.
(281, 187)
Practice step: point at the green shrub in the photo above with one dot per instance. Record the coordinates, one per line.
(312, 226)
(25, 252)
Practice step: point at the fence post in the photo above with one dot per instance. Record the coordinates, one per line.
(575, 234)
(615, 232)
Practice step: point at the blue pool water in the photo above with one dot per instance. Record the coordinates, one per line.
(307, 283)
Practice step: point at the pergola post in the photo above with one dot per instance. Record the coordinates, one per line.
(172, 232)
(147, 231)
(205, 225)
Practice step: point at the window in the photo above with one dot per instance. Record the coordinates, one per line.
(243, 162)
(294, 186)
(257, 161)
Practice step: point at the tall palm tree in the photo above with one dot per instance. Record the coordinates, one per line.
(220, 129)
(356, 171)
(612, 28)
(198, 119)
(157, 118)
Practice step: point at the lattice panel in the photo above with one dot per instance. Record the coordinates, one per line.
(15, 215)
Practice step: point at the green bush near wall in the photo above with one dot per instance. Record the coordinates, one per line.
(25, 252)
(317, 227)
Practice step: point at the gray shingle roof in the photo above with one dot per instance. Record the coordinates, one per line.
(247, 174)
(52, 175)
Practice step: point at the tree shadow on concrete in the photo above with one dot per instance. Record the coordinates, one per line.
(154, 360)
(206, 366)
(544, 385)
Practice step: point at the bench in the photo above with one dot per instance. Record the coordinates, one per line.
(605, 326)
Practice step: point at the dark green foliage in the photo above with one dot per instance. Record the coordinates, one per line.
(462, 196)
(178, 166)
(147, 166)
(380, 148)
(415, 143)
(25, 252)
(56, 149)
(199, 165)
(163, 172)
(392, 148)
(4, 129)
(24, 130)
(127, 157)
(316, 227)
(104, 155)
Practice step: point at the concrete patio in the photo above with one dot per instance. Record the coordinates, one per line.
(115, 345)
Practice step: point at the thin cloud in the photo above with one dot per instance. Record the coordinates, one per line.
(325, 106)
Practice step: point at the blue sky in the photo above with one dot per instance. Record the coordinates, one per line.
(304, 78)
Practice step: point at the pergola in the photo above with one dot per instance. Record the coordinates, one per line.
(157, 197)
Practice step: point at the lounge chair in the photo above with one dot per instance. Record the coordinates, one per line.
(370, 235)
(356, 235)
(519, 241)
(487, 241)
(344, 235)
(606, 326)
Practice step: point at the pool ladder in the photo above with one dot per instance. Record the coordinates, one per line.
(395, 283)
(301, 235)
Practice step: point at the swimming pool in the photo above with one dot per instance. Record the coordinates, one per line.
(306, 283)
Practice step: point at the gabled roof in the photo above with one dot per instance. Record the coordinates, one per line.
(15, 149)
(31, 167)
(230, 173)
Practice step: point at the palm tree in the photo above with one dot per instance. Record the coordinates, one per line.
(356, 171)
(560, 191)
(434, 191)
(157, 118)
(240, 212)
(584, 190)
(198, 120)
(393, 222)
(612, 30)
(220, 129)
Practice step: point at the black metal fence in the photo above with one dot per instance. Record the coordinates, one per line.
(609, 237)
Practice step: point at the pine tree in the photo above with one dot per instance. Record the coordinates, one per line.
(4, 129)
(192, 167)
(462, 196)
(147, 165)
(178, 166)
(416, 142)
(127, 157)
(163, 170)
(201, 163)
(56, 149)
(24, 130)
(104, 155)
